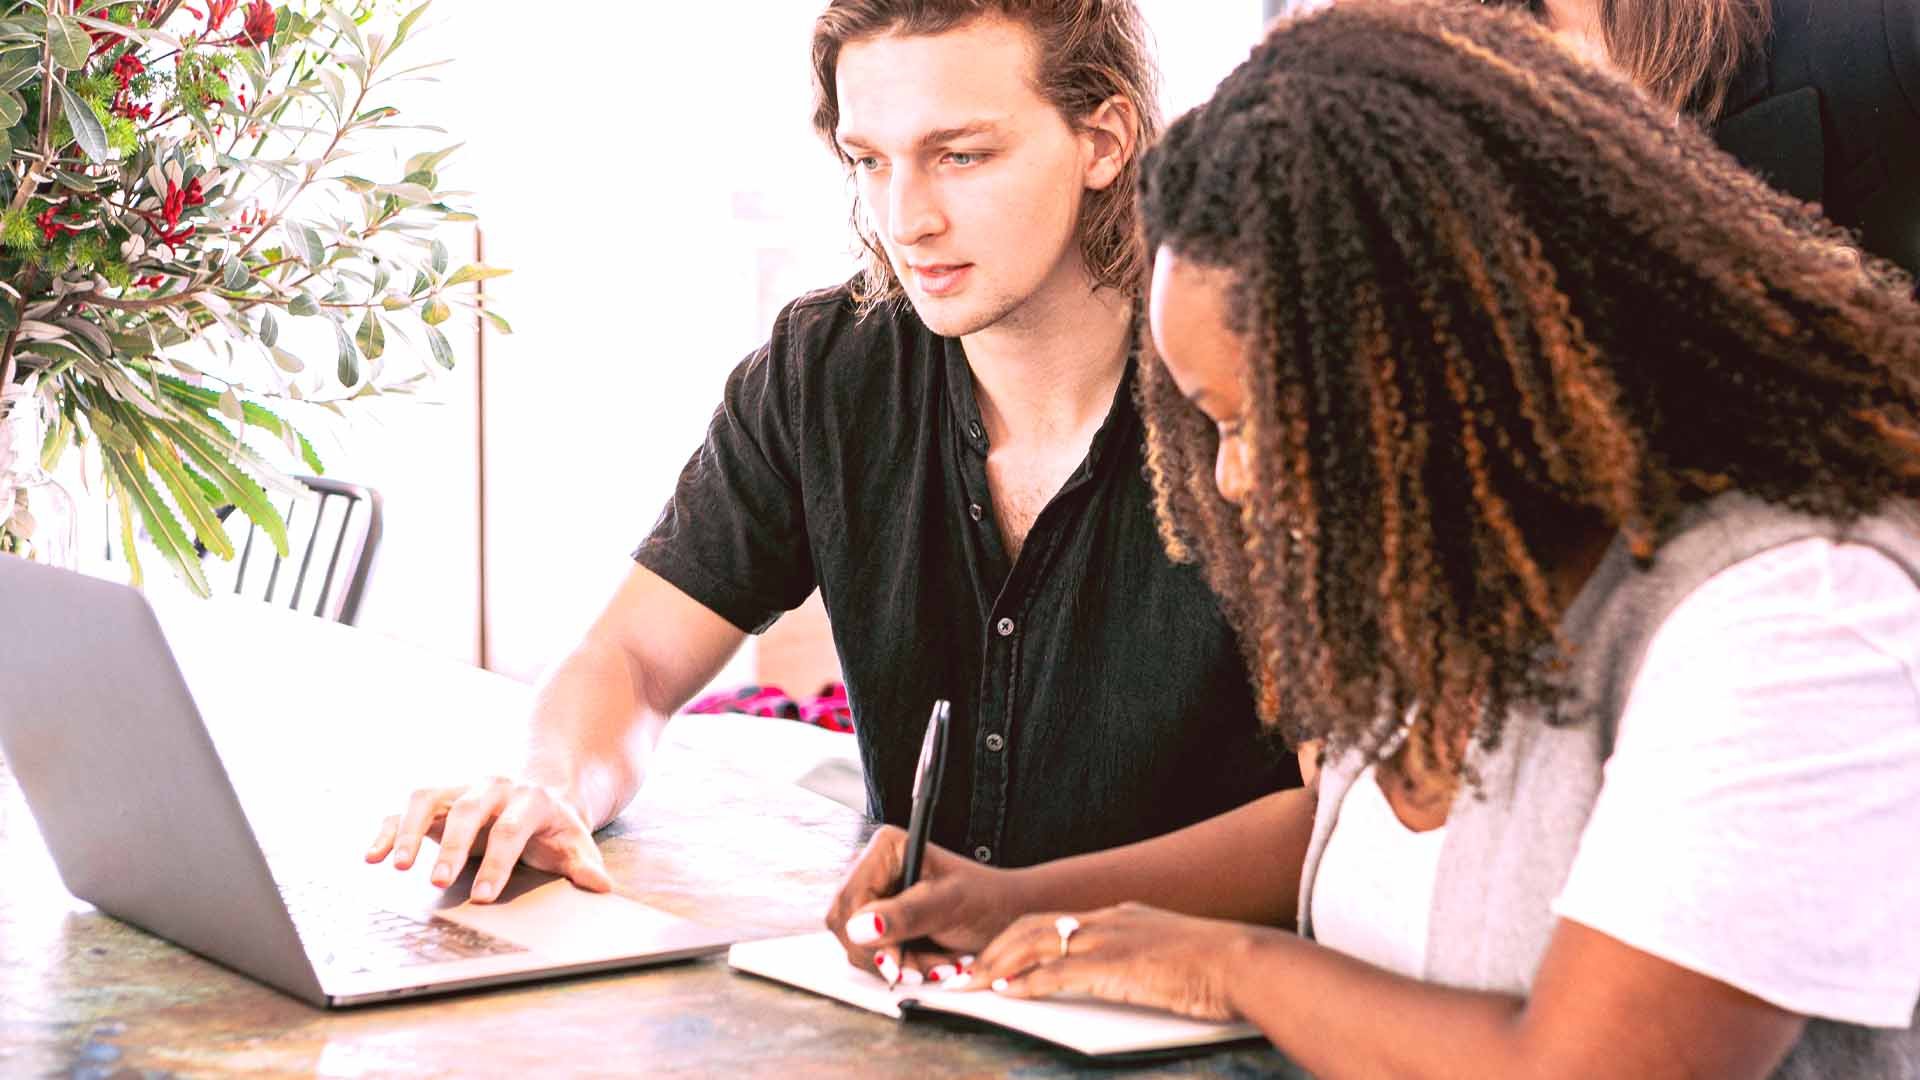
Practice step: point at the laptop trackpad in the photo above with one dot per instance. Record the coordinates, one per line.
(550, 915)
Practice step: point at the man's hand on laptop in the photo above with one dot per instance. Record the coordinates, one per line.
(509, 821)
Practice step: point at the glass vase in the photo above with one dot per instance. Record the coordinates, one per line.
(38, 519)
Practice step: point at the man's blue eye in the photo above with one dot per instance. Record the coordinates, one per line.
(963, 158)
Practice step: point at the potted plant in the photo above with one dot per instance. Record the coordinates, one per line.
(183, 196)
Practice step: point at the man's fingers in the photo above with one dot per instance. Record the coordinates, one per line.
(506, 840)
(383, 840)
(469, 814)
(424, 808)
(586, 868)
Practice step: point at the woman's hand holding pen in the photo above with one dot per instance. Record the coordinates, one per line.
(1131, 953)
(957, 903)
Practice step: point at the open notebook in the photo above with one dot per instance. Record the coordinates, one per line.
(816, 962)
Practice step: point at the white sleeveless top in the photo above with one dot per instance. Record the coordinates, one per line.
(1373, 895)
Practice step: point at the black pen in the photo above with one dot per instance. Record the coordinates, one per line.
(926, 789)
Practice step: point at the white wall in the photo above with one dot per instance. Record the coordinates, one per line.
(649, 173)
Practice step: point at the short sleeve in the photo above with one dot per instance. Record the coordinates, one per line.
(734, 537)
(1759, 819)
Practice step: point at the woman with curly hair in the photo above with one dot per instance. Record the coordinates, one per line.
(1557, 476)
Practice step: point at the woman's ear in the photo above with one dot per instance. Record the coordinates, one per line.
(1112, 135)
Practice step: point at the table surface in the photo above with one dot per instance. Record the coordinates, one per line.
(324, 729)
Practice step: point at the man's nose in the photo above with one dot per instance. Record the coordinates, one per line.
(913, 212)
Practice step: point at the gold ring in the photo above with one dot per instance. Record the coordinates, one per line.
(1065, 925)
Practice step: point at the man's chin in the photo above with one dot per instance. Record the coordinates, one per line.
(952, 318)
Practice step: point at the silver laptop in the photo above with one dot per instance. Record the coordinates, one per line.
(143, 822)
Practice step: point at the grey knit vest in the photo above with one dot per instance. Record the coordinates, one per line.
(1508, 849)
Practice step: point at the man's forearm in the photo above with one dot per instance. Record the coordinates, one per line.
(594, 726)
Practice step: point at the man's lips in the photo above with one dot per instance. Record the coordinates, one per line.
(937, 279)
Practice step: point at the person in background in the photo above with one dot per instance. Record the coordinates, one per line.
(1820, 97)
(1562, 477)
(947, 447)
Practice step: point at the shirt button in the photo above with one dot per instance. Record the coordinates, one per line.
(983, 853)
(973, 429)
(995, 743)
(975, 512)
(1004, 627)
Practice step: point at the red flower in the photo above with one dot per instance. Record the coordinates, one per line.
(126, 68)
(217, 12)
(259, 25)
(178, 199)
(50, 229)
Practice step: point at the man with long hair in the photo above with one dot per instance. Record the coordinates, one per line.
(947, 447)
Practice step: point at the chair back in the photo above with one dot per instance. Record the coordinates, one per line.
(331, 537)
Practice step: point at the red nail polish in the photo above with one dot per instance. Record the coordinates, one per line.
(879, 958)
(934, 975)
(879, 923)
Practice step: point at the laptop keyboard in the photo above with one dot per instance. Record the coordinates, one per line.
(355, 939)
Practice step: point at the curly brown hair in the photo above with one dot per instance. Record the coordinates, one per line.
(1495, 301)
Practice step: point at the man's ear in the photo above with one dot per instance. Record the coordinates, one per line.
(1112, 135)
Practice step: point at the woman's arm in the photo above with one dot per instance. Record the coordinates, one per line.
(1599, 1008)
(1242, 865)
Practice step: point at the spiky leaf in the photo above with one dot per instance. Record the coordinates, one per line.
(162, 527)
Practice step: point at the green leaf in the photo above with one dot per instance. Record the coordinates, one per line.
(442, 349)
(162, 526)
(235, 485)
(439, 256)
(188, 495)
(346, 26)
(429, 162)
(371, 338)
(70, 42)
(406, 24)
(303, 304)
(405, 192)
(349, 365)
(311, 250)
(499, 322)
(12, 108)
(435, 312)
(269, 328)
(259, 416)
(475, 272)
(127, 547)
(235, 276)
(393, 301)
(86, 127)
(286, 361)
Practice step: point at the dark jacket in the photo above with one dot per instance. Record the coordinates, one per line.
(1831, 114)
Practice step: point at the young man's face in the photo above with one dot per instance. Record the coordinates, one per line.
(971, 180)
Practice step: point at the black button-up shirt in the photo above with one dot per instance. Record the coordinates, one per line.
(1098, 697)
